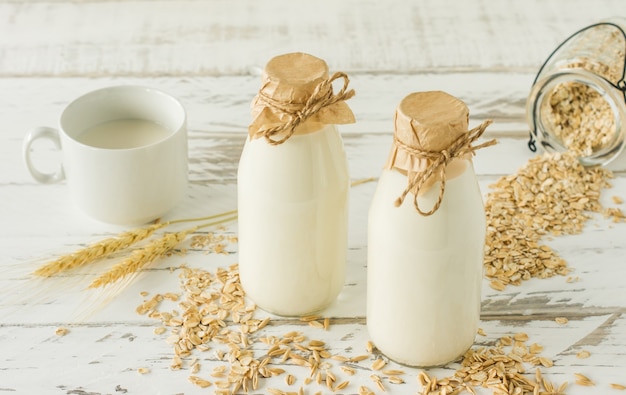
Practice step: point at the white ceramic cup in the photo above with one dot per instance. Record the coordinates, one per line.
(122, 186)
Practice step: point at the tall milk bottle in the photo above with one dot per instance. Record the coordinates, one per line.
(426, 234)
(293, 187)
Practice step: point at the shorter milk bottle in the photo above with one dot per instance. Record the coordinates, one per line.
(426, 234)
(293, 188)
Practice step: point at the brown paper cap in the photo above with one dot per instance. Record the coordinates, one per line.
(290, 80)
(428, 121)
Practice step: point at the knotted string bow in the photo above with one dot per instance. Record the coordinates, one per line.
(322, 96)
(440, 160)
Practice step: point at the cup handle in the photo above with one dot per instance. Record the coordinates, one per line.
(43, 133)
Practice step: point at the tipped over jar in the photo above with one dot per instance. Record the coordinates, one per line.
(293, 188)
(426, 235)
(578, 99)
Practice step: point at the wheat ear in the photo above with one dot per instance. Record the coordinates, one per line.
(96, 251)
(142, 257)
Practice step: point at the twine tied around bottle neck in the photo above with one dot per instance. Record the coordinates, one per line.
(440, 160)
(322, 96)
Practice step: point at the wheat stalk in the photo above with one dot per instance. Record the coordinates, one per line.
(142, 257)
(107, 247)
(96, 251)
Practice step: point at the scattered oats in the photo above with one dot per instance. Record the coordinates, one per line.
(316, 324)
(379, 364)
(363, 390)
(393, 372)
(618, 387)
(481, 332)
(160, 330)
(520, 337)
(143, 370)
(369, 347)
(573, 279)
(616, 214)
(202, 383)
(144, 293)
(535, 348)
(583, 354)
(359, 358)
(326, 323)
(348, 370)
(61, 331)
(500, 368)
(547, 362)
(583, 380)
(177, 363)
(309, 318)
(341, 386)
(552, 194)
(396, 380)
(330, 380)
(378, 381)
(617, 200)
(171, 296)
(561, 320)
(290, 379)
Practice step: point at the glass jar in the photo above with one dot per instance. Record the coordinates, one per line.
(424, 267)
(578, 99)
(293, 188)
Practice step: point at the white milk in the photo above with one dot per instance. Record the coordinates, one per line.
(293, 207)
(123, 134)
(425, 272)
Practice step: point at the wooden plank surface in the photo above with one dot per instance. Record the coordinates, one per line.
(207, 54)
(103, 38)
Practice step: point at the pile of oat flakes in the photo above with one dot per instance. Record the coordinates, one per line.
(552, 194)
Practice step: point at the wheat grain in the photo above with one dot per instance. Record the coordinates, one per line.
(561, 320)
(583, 354)
(583, 380)
(496, 368)
(202, 383)
(96, 251)
(378, 364)
(140, 258)
(61, 331)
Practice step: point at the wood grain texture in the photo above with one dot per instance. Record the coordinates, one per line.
(104, 38)
(207, 53)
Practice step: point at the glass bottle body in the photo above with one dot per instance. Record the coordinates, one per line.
(293, 218)
(425, 272)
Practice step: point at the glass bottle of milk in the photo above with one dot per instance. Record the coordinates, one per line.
(293, 187)
(426, 234)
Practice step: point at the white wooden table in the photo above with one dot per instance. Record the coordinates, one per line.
(208, 53)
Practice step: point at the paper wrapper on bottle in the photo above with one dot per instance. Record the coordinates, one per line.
(427, 121)
(288, 82)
